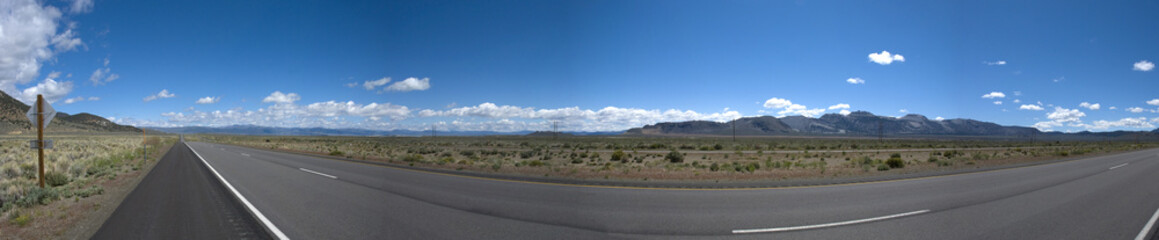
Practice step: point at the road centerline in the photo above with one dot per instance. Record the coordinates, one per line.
(806, 227)
(318, 173)
(1118, 166)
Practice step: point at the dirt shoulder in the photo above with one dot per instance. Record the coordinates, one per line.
(80, 217)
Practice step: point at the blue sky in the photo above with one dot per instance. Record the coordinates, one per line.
(590, 65)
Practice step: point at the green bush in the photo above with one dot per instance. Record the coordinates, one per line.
(618, 156)
(36, 196)
(714, 167)
(535, 163)
(883, 167)
(56, 179)
(674, 157)
(895, 161)
(336, 153)
(20, 219)
(412, 158)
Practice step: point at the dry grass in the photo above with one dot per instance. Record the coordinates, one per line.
(80, 167)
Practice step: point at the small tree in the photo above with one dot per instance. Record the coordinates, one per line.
(675, 157)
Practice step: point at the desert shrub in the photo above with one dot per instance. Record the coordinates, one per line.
(336, 153)
(56, 179)
(94, 190)
(28, 170)
(618, 156)
(932, 159)
(674, 156)
(412, 158)
(526, 154)
(714, 167)
(36, 196)
(535, 163)
(20, 219)
(718, 146)
(895, 161)
(883, 167)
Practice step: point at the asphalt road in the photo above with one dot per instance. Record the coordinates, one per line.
(304, 197)
(180, 199)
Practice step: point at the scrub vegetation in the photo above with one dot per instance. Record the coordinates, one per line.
(78, 167)
(635, 158)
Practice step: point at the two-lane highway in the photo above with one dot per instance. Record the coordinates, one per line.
(1108, 197)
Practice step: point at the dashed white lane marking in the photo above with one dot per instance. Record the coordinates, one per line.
(1147, 228)
(245, 154)
(1117, 166)
(320, 174)
(265, 221)
(783, 229)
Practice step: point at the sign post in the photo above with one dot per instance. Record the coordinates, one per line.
(41, 115)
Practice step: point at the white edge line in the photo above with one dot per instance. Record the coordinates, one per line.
(782, 229)
(269, 225)
(1147, 228)
(315, 172)
(1117, 166)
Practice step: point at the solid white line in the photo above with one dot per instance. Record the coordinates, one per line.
(1117, 166)
(269, 225)
(1147, 228)
(245, 154)
(315, 172)
(782, 229)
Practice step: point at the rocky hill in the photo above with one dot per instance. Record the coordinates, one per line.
(13, 121)
(856, 124)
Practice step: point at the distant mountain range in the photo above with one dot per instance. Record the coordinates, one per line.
(863, 123)
(280, 131)
(13, 121)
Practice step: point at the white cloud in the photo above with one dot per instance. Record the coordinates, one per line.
(54, 75)
(839, 106)
(102, 76)
(1113, 108)
(999, 62)
(789, 108)
(1030, 107)
(1061, 116)
(605, 119)
(903, 110)
(81, 6)
(163, 94)
(1066, 115)
(1153, 102)
(885, 58)
(410, 84)
(1017, 100)
(777, 103)
(1059, 79)
(332, 108)
(29, 37)
(855, 81)
(845, 112)
(208, 100)
(1135, 109)
(1089, 105)
(280, 98)
(997, 102)
(370, 85)
(994, 95)
(94, 98)
(939, 118)
(49, 88)
(1139, 122)
(1144, 66)
(73, 100)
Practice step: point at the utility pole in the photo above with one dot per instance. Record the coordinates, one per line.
(144, 147)
(554, 130)
(433, 130)
(40, 134)
(880, 131)
(734, 130)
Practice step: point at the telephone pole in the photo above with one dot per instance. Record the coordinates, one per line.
(734, 130)
(554, 130)
(880, 131)
(40, 134)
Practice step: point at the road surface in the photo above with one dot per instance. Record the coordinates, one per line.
(304, 197)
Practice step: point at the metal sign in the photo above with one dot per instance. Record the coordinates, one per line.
(48, 114)
(36, 144)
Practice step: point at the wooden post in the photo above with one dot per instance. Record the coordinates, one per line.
(144, 146)
(40, 134)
